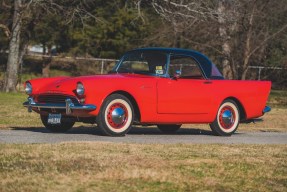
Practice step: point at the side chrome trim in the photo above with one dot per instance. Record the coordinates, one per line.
(69, 105)
(266, 109)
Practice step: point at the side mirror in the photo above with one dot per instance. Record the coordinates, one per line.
(177, 75)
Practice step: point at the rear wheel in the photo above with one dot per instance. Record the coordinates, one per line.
(64, 126)
(227, 119)
(116, 115)
(172, 128)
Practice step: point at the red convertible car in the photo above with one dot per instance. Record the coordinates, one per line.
(166, 87)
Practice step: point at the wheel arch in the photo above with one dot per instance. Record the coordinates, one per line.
(132, 100)
(242, 111)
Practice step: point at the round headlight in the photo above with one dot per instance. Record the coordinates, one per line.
(80, 89)
(28, 88)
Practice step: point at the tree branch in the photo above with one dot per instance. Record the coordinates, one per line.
(267, 39)
(5, 5)
(6, 30)
(204, 45)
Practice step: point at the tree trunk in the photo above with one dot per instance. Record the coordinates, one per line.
(11, 76)
(227, 72)
(226, 49)
(46, 61)
(245, 66)
(23, 50)
(247, 49)
(46, 67)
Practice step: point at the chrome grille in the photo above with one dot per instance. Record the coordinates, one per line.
(55, 99)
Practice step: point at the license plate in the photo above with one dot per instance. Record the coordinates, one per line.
(54, 119)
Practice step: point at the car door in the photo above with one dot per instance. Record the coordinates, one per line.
(190, 93)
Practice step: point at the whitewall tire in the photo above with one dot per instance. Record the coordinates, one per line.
(116, 115)
(227, 119)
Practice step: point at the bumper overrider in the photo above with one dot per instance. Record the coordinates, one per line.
(68, 105)
(266, 109)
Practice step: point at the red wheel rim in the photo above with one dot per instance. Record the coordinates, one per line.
(117, 115)
(227, 117)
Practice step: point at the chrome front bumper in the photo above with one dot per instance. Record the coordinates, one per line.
(68, 105)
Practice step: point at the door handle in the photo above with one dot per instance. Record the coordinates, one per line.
(207, 82)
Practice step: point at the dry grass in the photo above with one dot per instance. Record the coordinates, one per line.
(274, 121)
(137, 167)
(12, 115)
(278, 98)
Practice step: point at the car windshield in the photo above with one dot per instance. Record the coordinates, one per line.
(143, 62)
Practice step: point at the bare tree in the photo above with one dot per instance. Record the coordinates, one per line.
(242, 27)
(14, 49)
(225, 37)
(256, 34)
(24, 13)
(183, 14)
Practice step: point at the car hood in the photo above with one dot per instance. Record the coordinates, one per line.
(67, 85)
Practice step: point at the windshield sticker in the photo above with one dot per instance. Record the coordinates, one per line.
(158, 67)
(159, 72)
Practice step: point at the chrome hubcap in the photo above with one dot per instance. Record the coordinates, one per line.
(118, 116)
(227, 117)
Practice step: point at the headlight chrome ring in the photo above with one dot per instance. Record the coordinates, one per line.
(28, 88)
(80, 89)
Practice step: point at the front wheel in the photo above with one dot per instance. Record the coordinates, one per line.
(64, 126)
(116, 115)
(227, 119)
(168, 128)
